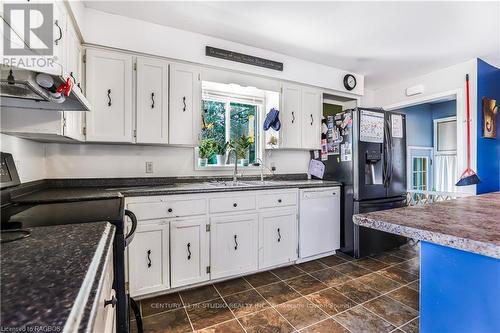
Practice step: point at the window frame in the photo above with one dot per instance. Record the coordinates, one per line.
(227, 99)
(426, 172)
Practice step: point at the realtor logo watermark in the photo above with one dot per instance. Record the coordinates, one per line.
(28, 34)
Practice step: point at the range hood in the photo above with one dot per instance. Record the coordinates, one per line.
(19, 89)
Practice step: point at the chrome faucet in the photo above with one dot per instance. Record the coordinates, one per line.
(235, 172)
(260, 163)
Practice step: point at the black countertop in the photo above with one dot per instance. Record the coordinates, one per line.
(78, 191)
(49, 279)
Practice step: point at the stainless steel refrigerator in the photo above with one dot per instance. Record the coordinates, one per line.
(367, 153)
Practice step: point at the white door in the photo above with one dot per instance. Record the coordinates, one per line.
(277, 237)
(148, 258)
(311, 118)
(291, 116)
(152, 101)
(185, 104)
(233, 245)
(189, 251)
(109, 90)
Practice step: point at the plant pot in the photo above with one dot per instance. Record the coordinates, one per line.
(243, 161)
(212, 159)
(221, 159)
(202, 162)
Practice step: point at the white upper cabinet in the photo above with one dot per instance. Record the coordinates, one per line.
(311, 118)
(301, 117)
(189, 251)
(73, 57)
(152, 101)
(109, 89)
(60, 41)
(185, 104)
(291, 117)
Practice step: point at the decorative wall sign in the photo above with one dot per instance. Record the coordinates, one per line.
(490, 114)
(243, 58)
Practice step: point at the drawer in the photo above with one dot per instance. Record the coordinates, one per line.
(232, 203)
(187, 207)
(105, 314)
(168, 208)
(148, 210)
(270, 200)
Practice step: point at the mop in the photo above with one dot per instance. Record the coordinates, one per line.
(468, 177)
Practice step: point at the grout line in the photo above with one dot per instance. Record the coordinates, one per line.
(232, 312)
(271, 305)
(185, 310)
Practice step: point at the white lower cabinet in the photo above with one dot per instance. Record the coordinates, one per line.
(189, 251)
(277, 237)
(233, 244)
(148, 256)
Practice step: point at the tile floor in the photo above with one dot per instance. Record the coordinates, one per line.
(332, 294)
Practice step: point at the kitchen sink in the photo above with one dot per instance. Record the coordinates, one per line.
(261, 183)
(228, 183)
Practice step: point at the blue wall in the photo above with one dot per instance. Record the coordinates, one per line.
(419, 121)
(488, 150)
(418, 125)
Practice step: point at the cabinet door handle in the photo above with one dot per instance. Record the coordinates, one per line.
(80, 87)
(60, 33)
(236, 242)
(111, 302)
(152, 100)
(109, 97)
(170, 210)
(279, 235)
(189, 251)
(235, 204)
(293, 117)
(312, 119)
(184, 102)
(74, 79)
(149, 258)
(279, 200)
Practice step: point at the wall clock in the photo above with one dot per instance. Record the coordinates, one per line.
(349, 82)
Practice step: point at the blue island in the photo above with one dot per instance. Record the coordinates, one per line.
(459, 260)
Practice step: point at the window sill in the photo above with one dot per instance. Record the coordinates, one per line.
(214, 167)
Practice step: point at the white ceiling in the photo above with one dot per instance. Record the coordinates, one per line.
(386, 41)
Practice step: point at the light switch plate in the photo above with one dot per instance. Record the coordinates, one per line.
(149, 167)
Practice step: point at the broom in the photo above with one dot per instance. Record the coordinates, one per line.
(468, 177)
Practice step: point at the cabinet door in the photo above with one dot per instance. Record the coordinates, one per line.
(148, 260)
(73, 56)
(152, 99)
(233, 245)
(311, 118)
(185, 104)
(60, 40)
(73, 125)
(291, 117)
(109, 89)
(189, 251)
(277, 237)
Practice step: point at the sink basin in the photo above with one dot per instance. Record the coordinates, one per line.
(260, 183)
(227, 184)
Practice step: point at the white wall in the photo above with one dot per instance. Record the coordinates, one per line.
(29, 157)
(95, 160)
(116, 31)
(449, 80)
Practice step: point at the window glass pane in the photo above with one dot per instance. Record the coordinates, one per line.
(244, 122)
(214, 120)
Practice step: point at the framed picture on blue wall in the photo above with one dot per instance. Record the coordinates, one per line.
(490, 115)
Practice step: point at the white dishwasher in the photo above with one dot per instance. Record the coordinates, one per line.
(319, 222)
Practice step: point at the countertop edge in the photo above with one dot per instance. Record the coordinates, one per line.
(464, 244)
(74, 321)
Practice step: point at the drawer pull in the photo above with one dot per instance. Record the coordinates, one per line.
(109, 97)
(189, 251)
(149, 258)
(279, 235)
(111, 302)
(279, 200)
(235, 204)
(236, 242)
(184, 102)
(170, 210)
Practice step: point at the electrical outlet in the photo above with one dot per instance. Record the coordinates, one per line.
(149, 167)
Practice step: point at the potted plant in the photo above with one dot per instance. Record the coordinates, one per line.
(220, 151)
(241, 146)
(206, 150)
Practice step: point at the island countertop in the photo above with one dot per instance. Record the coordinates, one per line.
(471, 224)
